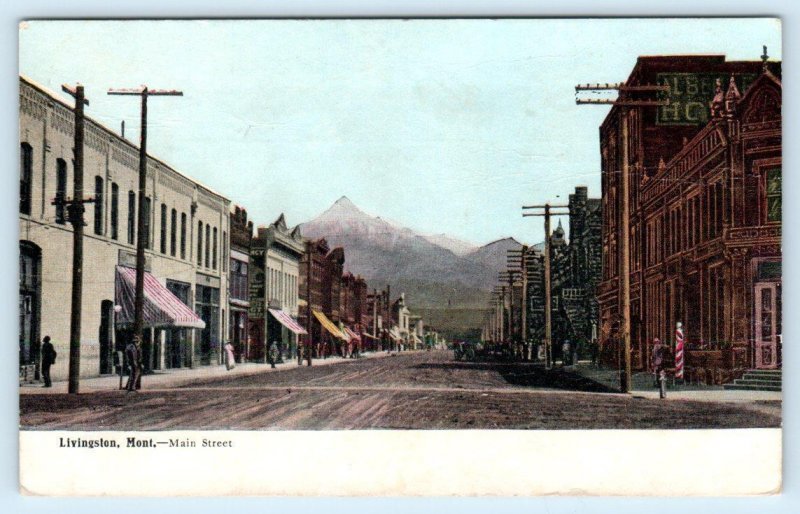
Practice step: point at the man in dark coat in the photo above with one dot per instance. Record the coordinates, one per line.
(134, 364)
(48, 359)
(658, 359)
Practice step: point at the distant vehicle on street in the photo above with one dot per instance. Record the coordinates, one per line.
(482, 351)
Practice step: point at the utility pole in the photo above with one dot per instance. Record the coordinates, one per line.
(141, 238)
(625, 102)
(75, 210)
(548, 325)
(510, 276)
(516, 261)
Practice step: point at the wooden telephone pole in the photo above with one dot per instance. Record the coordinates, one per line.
(625, 101)
(510, 276)
(141, 238)
(75, 210)
(548, 323)
(516, 260)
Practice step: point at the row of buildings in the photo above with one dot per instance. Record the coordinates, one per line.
(211, 277)
(704, 223)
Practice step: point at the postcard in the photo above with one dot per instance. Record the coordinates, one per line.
(385, 257)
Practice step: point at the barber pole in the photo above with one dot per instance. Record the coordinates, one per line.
(679, 340)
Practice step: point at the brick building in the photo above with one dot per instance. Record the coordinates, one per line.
(705, 218)
(238, 281)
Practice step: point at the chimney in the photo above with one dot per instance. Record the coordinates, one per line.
(122, 129)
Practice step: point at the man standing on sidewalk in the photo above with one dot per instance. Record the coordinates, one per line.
(132, 354)
(48, 359)
(658, 359)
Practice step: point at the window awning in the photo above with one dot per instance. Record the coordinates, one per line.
(352, 334)
(161, 308)
(329, 325)
(287, 321)
(394, 334)
(370, 336)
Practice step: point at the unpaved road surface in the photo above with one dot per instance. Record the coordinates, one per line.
(425, 390)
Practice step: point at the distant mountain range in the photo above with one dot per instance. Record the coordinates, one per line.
(435, 271)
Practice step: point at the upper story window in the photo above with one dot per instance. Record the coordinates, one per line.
(61, 190)
(774, 195)
(214, 250)
(98, 206)
(173, 233)
(163, 226)
(147, 214)
(25, 178)
(183, 235)
(131, 217)
(114, 211)
(199, 243)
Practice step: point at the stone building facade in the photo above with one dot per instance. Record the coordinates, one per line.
(187, 252)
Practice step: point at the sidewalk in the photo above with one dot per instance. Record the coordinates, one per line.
(643, 387)
(183, 376)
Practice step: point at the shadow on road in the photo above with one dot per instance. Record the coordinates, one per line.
(528, 375)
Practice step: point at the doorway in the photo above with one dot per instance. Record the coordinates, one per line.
(106, 337)
(767, 324)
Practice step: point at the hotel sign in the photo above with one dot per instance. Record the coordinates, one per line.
(690, 95)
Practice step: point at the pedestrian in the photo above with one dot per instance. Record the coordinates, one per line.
(230, 358)
(594, 349)
(273, 353)
(134, 365)
(48, 359)
(565, 353)
(658, 360)
(575, 353)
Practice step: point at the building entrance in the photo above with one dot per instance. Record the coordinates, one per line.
(767, 324)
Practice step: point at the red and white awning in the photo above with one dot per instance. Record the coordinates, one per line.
(352, 334)
(161, 308)
(287, 321)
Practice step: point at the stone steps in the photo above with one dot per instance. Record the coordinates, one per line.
(758, 380)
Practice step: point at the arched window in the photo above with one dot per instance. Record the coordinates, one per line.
(98, 206)
(61, 190)
(25, 178)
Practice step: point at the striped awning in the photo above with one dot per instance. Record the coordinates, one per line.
(287, 321)
(329, 325)
(353, 335)
(161, 308)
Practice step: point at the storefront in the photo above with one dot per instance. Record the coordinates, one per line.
(164, 314)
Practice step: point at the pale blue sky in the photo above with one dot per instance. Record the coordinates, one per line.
(445, 126)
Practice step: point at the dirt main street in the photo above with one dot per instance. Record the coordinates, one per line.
(424, 390)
